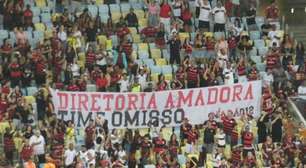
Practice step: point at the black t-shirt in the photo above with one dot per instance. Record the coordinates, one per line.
(91, 34)
(209, 134)
(132, 20)
(251, 13)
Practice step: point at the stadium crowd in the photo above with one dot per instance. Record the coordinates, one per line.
(145, 46)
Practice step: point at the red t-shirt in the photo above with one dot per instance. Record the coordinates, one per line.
(186, 15)
(165, 10)
(272, 12)
(101, 82)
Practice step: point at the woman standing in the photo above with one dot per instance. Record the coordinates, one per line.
(165, 15)
(153, 13)
(300, 53)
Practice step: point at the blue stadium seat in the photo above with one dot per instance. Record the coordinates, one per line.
(36, 11)
(148, 62)
(38, 35)
(29, 34)
(45, 17)
(254, 35)
(263, 51)
(253, 52)
(4, 34)
(46, 9)
(114, 8)
(260, 19)
(165, 53)
(125, 7)
(138, 6)
(167, 69)
(114, 40)
(152, 45)
(31, 90)
(103, 9)
(259, 43)
(93, 10)
(143, 54)
(36, 19)
(139, 62)
(156, 69)
(104, 17)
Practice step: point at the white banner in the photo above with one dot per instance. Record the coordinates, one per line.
(165, 108)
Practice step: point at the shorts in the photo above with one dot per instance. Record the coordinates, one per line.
(203, 24)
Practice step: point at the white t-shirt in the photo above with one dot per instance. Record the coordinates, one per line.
(38, 149)
(69, 156)
(75, 68)
(92, 154)
(221, 139)
(142, 79)
(268, 79)
(176, 9)
(204, 12)
(62, 36)
(229, 76)
(222, 59)
(124, 85)
(219, 15)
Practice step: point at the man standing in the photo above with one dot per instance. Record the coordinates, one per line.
(70, 155)
(219, 14)
(175, 45)
(38, 143)
(205, 11)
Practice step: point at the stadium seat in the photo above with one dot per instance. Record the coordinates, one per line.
(262, 51)
(259, 43)
(136, 38)
(165, 54)
(143, 22)
(31, 90)
(161, 61)
(4, 34)
(149, 166)
(139, 13)
(99, 2)
(46, 10)
(93, 10)
(253, 52)
(139, 62)
(183, 36)
(91, 88)
(114, 8)
(167, 69)
(125, 7)
(260, 19)
(181, 159)
(168, 77)
(254, 35)
(143, 47)
(35, 11)
(103, 9)
(143, 54)
(218, 35)
(148, 62)
(104, 17)
(156, 69)
(40, 3)
(261, 67)
(133, 30)
(115, 41)
(152, 45)
(38, 34)
(256, 59)
(40, 26)
(45, 17)
(116, 16)
(155, 53)
(29, 34)
(30, 99)
(154, 77)
(36, 19)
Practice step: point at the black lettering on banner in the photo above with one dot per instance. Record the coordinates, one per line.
(62, 114)
(144, 123)
(119, 114)
(241, 111)
(251, 110)
(154, 118)
(72, 115)
(80, 118)
(101, 113)
(129, 120)
(181, 113)
(166, 117)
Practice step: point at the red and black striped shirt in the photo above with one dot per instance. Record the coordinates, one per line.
(90, 58)
(192, 74)
(228, 125)
(267, 102)
(248, 140)
(241, 70)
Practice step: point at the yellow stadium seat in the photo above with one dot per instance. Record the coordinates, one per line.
(167, 132)
(48, 33)
(101, 39)
(168, 77)
(136, 38)
(3, 126)
(154, 77)
(40, 27)
(193, 156)
(143, 47)
(155, 53)
(40, 3)
(99, 2)
(208, 34)
(116, 17)
(29, 99)
(139, 13)
(82, 56)
(134, 55)
(81, 64)
(183, 149)
(143, 131)
(183, 36)
(133, 30)
(160, 61)
(143, 22)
